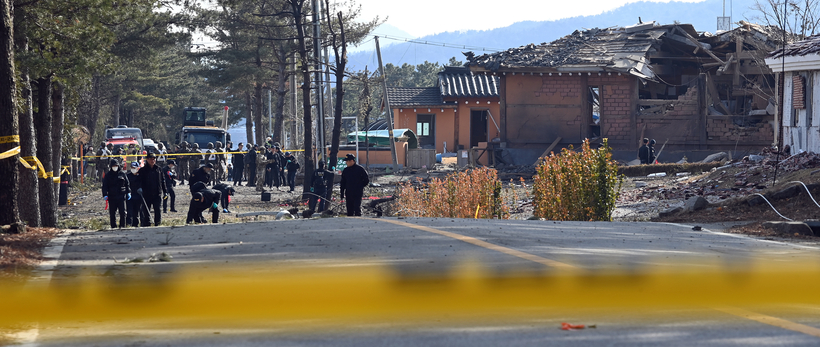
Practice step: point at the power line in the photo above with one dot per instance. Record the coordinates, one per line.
(439, 44)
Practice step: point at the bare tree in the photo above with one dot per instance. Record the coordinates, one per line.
(799, 17)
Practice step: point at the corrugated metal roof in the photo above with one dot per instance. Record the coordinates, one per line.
(458, 81)
(405, 96)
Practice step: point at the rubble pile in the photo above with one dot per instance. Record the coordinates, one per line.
(559, 52)
(750, 175)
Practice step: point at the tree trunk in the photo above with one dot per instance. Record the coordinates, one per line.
(9, 167)
(341, 63)
(57, 124)
(43, 126)
(249, 119)
(96, 105)
(257, 116)
(117, 119)
(298, 22)
(281, 94)
(29, 199)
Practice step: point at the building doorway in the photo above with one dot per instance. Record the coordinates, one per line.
(478, 127)
(426, 130)
(595, 112)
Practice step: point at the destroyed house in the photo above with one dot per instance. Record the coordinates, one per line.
(460, 112)
(798, 68)
(694, 92)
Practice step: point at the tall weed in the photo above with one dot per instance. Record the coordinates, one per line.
(464, 194)
(578, 186)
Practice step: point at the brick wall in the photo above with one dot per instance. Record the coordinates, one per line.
(616, 106)
(798, 92)
(724, 129)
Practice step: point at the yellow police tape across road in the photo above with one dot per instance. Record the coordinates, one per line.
(276, 292)
(171, 155)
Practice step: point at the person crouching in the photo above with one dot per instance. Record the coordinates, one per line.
(203, 198)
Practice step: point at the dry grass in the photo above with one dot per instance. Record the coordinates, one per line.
(20, 253)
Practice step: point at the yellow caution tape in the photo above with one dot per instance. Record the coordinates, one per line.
(10, 139)
(41, 171)
(180, 154)
(10, 153)
(55, 180)
(207, 296)
(65, 170)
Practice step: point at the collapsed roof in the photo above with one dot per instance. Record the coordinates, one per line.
(622, 49)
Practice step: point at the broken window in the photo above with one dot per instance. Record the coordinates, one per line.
(595, 111)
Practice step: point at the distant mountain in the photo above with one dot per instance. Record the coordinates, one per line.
(702, 15)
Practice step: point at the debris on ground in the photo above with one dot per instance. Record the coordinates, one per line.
(20, 253)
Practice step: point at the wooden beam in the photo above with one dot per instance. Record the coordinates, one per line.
(738, 51)
(547, 152)
(713, 93)
(696, 42)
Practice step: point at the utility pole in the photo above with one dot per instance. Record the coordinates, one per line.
(389, 110)
(320, 97)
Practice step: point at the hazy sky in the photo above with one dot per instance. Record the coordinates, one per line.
(424, 17)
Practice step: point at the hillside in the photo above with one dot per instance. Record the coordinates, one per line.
(702, 15)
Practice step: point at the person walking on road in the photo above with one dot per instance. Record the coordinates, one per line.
(354, 179)
(116, 191)
(152, 186)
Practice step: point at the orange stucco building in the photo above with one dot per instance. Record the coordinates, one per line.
(459, 113)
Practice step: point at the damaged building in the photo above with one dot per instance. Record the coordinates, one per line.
(697, 93)
(798, 67)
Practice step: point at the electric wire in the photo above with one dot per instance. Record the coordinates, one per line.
(774, 209)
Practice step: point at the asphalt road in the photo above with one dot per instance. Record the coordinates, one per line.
(435, 246)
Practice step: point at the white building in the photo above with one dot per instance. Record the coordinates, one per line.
(800, 121)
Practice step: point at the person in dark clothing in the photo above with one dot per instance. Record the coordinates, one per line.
(293, 166)
(318, 186)
(354, 179)
(116, 190)
(170, 177)
(272, 169)
(135, 205)
(250, 159)
(202, 174)
(238, 160)
(227, 191)
(203, 198)
(152, 188)
(652, 155)
(643, 152)
(283, 163)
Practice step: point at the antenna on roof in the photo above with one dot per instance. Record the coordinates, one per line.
(640, 21)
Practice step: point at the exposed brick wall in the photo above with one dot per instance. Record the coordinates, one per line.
(687, 104)
(724, 129)
(616, 106)
(798, 92)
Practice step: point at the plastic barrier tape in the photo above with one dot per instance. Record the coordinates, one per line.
(10, 153)
(10, 139)
(274, 291)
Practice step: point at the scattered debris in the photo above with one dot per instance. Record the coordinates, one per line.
(567, 326)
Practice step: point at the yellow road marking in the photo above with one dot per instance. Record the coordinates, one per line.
(774, 321)
(487, 245)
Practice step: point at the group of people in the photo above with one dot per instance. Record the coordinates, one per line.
(646, 153)
(135, 195)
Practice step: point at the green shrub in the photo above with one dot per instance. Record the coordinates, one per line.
(579, 186)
